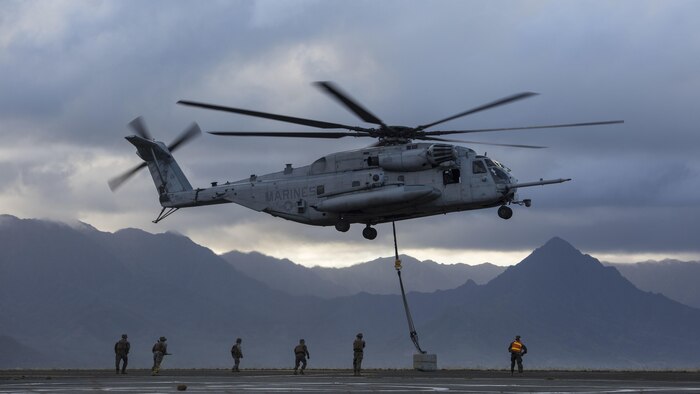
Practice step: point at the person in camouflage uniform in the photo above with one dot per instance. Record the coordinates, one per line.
(301, 353)
(358, 347)
(237, 354)
(160, 349)
(121, 351)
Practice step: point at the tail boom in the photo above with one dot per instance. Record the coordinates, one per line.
(174, 190)
(166, 173)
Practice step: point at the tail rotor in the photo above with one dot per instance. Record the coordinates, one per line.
(141, 132)
(140, 129)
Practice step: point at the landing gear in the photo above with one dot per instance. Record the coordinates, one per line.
(505, 212)
(369, 232)
(342, 226)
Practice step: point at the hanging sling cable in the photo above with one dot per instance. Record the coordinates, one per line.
(411, 327)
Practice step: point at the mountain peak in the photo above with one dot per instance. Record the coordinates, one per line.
(559, 244)
(7, 218)
(557, 251)
(557, 261)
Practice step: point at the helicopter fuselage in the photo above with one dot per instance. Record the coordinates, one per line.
(370, 186)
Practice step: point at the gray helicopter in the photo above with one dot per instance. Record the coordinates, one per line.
(394, 179)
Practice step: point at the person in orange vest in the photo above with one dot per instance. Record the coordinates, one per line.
(517, 350)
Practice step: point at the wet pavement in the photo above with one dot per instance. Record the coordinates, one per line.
(329, 381)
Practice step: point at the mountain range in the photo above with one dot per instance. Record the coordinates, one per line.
(374, 277)
(675, 279)
(67, 293)
(672, 278)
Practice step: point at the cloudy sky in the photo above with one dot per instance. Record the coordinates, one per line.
(74, 73)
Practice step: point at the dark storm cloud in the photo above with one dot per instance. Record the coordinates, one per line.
(75, 73)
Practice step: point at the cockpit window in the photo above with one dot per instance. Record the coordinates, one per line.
(499, 175)
(494, 163)
(478, 167)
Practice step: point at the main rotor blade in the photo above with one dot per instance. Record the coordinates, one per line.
(351, 104)
(503, 101)
(189, 133)
(117, 181)
(297, 134)
(445, 132)
(140, 129)
(481, 143)
(281, 118)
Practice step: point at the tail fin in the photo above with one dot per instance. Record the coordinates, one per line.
(166, 173)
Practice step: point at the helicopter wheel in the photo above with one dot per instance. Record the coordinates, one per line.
(369, 232)
(505, 212)
(342, 226)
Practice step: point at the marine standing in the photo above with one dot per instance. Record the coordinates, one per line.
(358, 348)
(301, 353)
(237, 354)
(517, 350)
(160, 349)
(121, 351)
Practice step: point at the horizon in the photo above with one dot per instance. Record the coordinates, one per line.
(503, 259)
(447, 257)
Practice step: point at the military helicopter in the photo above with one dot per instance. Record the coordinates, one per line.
(396, 178)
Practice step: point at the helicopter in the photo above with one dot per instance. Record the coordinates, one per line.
(409, 172)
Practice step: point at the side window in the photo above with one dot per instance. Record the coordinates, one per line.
(355, 183)
(320, 190)
(373, 161)
(478, 167)
(450, 176)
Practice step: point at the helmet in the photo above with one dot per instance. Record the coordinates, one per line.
(124, 336)
(517, 337)
(238, 340)
(163, 339)
(359, 335)
(301, 341)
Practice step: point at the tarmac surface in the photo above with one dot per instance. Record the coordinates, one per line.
(331, 381)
